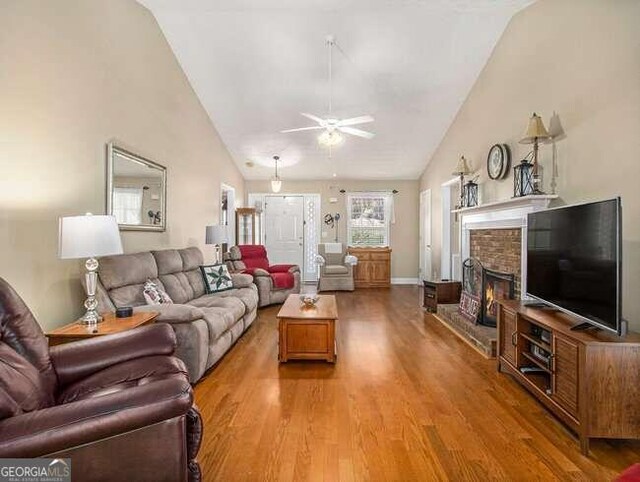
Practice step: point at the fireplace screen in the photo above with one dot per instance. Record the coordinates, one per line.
(495, 286)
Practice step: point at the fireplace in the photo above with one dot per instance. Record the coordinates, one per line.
(495, 286)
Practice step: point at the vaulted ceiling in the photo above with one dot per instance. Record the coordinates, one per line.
(257, 64)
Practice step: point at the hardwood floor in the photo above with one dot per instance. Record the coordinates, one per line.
(406, 400)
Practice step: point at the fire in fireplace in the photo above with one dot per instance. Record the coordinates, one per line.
(495, 286)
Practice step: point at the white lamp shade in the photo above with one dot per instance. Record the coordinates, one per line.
(218, 234)
(88, 236)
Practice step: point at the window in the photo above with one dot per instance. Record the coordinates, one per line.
(127, 205)
(368, 219)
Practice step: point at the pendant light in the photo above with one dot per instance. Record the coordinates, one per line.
(276, 182)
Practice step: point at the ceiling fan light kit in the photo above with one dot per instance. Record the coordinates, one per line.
(334, 128)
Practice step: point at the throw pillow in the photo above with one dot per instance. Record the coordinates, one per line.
(154, 295)
(469, 306)
(216, 278)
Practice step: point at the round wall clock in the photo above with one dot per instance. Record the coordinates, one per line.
(498, 161)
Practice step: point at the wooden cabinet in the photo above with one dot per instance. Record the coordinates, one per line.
(440, 292)
(588, 379)
(246, 223)
(374, 267)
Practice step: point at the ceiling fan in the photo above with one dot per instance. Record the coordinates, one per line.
(333, 127)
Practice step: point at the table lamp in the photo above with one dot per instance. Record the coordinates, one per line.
(462, 169)
(88, 237)
(217, 235)
(535, 132)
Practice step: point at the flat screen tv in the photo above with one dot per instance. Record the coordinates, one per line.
(574, 261)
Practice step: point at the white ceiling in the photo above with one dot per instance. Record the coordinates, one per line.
(256, 64)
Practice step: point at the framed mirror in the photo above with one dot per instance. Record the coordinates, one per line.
(136, 190)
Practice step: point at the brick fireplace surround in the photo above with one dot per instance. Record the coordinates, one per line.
(499, 250)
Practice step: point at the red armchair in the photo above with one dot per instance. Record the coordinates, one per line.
(120, 407)
(274, 282)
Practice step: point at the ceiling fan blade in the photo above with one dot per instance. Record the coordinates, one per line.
(312, 128)
(356, 132)
(363, 119)
(314, 118)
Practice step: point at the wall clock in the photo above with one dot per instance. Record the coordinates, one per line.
(498, 161)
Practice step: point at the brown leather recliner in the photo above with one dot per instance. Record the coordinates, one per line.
(120, 407)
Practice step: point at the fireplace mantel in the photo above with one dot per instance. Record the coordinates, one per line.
(541, 201)
(511, 213)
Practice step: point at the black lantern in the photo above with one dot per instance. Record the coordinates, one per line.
(523, 179)
(470, 194)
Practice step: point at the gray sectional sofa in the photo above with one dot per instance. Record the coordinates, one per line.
(206, 325)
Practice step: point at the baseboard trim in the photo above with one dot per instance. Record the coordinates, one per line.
(404, 281)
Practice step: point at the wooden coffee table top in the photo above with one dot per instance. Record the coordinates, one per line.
(326, 308)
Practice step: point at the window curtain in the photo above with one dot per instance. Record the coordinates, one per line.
(127, 205)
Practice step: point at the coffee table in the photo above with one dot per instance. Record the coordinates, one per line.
(308, 333)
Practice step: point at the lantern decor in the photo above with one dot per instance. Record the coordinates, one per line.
(536, 132)
(462, 169)
(470, 194)
(523, 184)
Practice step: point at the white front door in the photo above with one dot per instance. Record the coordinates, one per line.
(425, 235)
(284, 229)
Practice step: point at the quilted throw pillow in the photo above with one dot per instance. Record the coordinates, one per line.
(154, 295)
(216, 277)
(469, 306)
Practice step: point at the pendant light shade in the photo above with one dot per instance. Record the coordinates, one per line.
(276, 182)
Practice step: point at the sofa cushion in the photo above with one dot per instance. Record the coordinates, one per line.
(130, 295)
(282, 281)
(218, 320)
(173, 312)
(191, 258)
(336, 269)
(248, 296)
(230, 303)
(127, 269)
(241, 280)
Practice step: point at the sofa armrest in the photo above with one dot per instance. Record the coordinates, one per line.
(73, 361)
(62, 427)
(284, 268)
(259, 272)
(241, 280)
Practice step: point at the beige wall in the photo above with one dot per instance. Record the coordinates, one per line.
(74, 75)
(580, 59)
(404, 233)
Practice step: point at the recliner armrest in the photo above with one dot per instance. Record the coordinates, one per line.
(259, 272)
(62, 427)
(241, 280)
(73, 361)
(284, 268)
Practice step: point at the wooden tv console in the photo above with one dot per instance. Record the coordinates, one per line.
(589, 379)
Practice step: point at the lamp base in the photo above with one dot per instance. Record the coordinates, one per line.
(91, 316)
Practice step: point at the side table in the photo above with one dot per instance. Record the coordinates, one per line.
(440, 292)
(110, 325)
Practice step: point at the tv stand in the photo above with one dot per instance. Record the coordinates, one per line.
(590, 380)
(584, 326)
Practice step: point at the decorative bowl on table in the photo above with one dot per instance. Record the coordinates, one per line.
(309, 300)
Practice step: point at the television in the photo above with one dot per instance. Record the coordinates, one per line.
(574, 262)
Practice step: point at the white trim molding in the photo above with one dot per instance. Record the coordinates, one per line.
(405, 281)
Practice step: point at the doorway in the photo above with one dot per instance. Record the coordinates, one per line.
(227, 213)
(284, 229)
(425, 235)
